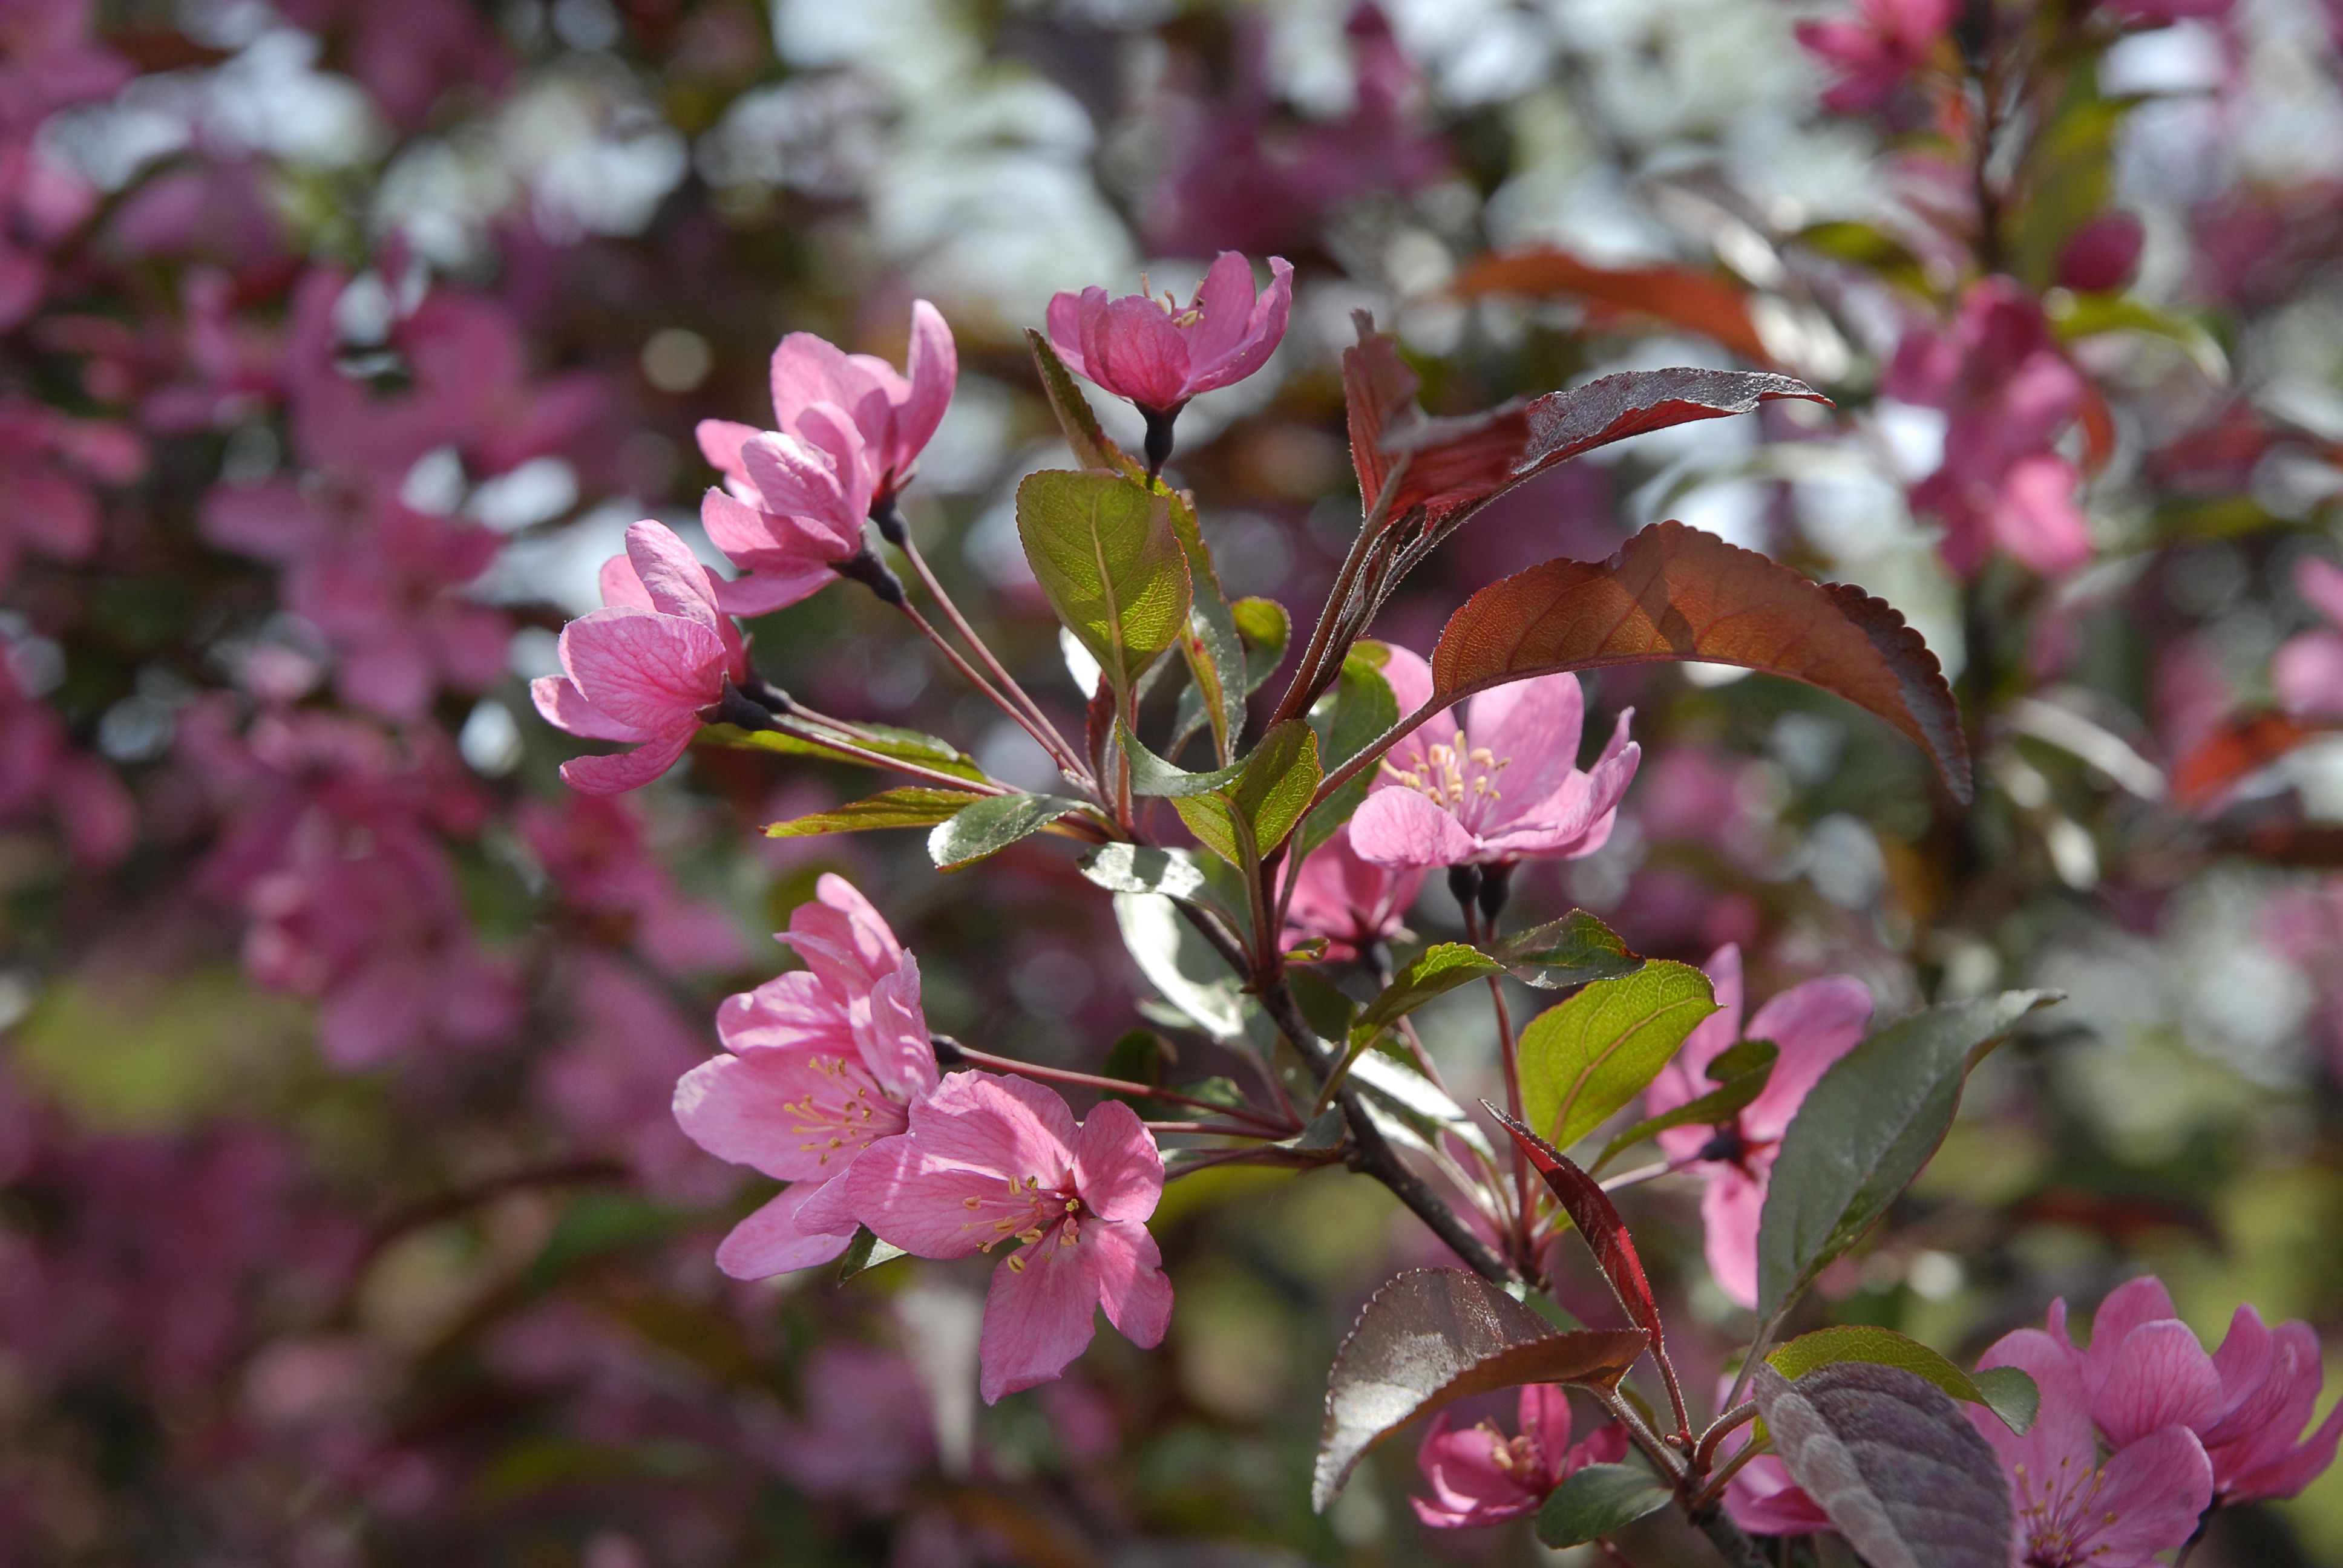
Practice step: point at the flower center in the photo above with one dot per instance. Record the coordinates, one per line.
(840, 1116)
(1031, 1216)
(2057, 1531)
(1459, 779)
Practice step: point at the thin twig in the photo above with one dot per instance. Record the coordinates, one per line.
(1054, 742)
(1302, 690)
(1068, 1076)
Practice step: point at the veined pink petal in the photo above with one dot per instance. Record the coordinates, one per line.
(1264, 329)
(1039, 1314)
(943, 1188)
(766, 589)
(628, 769)
(621, 588)
(2147, 1500)
(1473, 1476)
(720, 441)
(794, 1114)
(1135, 352)
(842, 934)
(2127, 1306)
(1131, 1286)
(1065, 317)
(1225, 300)
(790, 1011)
(1533, 726)
(2247, 1353)
(891, 1035)
(670, 574)
(1402, 829)
(2159, 1377)
(1813, 1025)
(932, 368)
(1730, 1206)
(797, 480)
(807, 370)
(1117, 1167)
(652, 671)
(2297, 1465)
(769, 1241)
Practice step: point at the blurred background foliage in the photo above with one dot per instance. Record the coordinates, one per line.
(310, 1258)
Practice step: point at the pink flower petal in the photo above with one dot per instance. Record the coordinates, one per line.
(793, 1114)
(628, 769)
(670, 574)
(932, 368)
(720, 441)
(2149, 1500)
(1117, 1167)
(1038, 1315)
(1730, 1207)
(2159, 1377)
(1813, 1025)
(1264, 329)
(1401, 828)
(769, 1241)
(652, 671)
(1135, 352)
(1533, 726)
(1132, 1285)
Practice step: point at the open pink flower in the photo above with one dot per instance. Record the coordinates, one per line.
(822, 1063)
(2247, 1401)
(642, 668)
(2307, 669)
(1352, 903)
(1876, 52)
(993, 1162)
(1159, 353)
(1504, 786)
(2074, 1510)
(1812, 1025)
(847, 431)
(2007, 393)
(1480, 1476)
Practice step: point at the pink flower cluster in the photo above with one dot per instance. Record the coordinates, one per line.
(830, 1084)
(2008, 394)
(1479, 1477)
(1878, 51)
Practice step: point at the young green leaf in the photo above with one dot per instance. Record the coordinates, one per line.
(1433, 1336)
(1361, 708)
(1214, 651)
(1894, 1463)
(1251, 817)
(1142, 868)
(864, 1253)
(1153, 779)
(1866, 1129)
(1435, 972)
(1735, 1089)
(2013, 1398)
(1181, 966)
(910, 807)
(990, 825)
(882, 740)
(1564, 954)
(1103, 549)
(1583, 1059)
(1092, 447)
(1266, 628)
(1597, 1500)
(1675, 593)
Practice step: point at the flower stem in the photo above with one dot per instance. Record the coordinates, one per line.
(991, 1063)
(1468, 892)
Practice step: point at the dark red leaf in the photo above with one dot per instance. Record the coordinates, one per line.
(2238, 750)
(1675, 593)
(1682, 295)
(1589, 1209)
(1436, 1335)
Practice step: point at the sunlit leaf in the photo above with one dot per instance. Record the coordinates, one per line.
(1361, 708)
(1433, 1336)
(989, 826)
(1249, 818)
(1585, 1059)
(1092, 447)
(1143, 869)
(1106, 556)
(1181, 965)
(1571, 951)
(1598, 1499)
(1892, 1460)
(884, 740)
(1683, 296)
(2013, 1397)
(1675, 593)
(910, 807)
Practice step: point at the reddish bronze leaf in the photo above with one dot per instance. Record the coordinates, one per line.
(1614, 407)
(1681, 296)
(1436, 1335)
(1675, 593)
(2234, 752)
(1591, 1210)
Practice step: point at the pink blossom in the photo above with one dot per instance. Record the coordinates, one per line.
(1874, 54)
(1503, 786)
(1352, 903)
(1812, 1025)
(2247, 1403)
(609, 1081)
(1161, 353)
(2073, 1508)
(48, 464)
(821, 1064)
(990, 1160)
(794, 520)
(593, 847)
(1480, 1476)
(382, 595)
(2102, 255)
(2007, 393)
(643, 666)
(2307, 669)
(1762, 1499)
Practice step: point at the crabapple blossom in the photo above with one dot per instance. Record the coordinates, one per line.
(2247, 1401)
(989, 1162)
(1350, 902)
(1480, 1476)
(1877, 52)
(820, 1065)
(642, 668)
(1502, 786)
(2072, 1507)
(2307, 668)
(1160, 355)
(1812, 1025)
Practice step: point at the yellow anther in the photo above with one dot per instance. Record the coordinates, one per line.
(1016, 1263)
(971, 1202)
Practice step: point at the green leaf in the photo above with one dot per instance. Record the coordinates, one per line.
(1214, 653)
(1581, 1062)
(864, 1253)
(1571, 951)
(1143, 869)
(1251, 817)
(1266, 628)
(1104, 552)
(1597, 1500)
(1153, 779)
(990, 825)
(1092, 447)
(1435, 972)
(1360, 709)
(1863, 1132)
(2007, 1392)
(885, 740)
(2089, 315)
(1720, 1104)
(909, 806)
(1181, 965)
